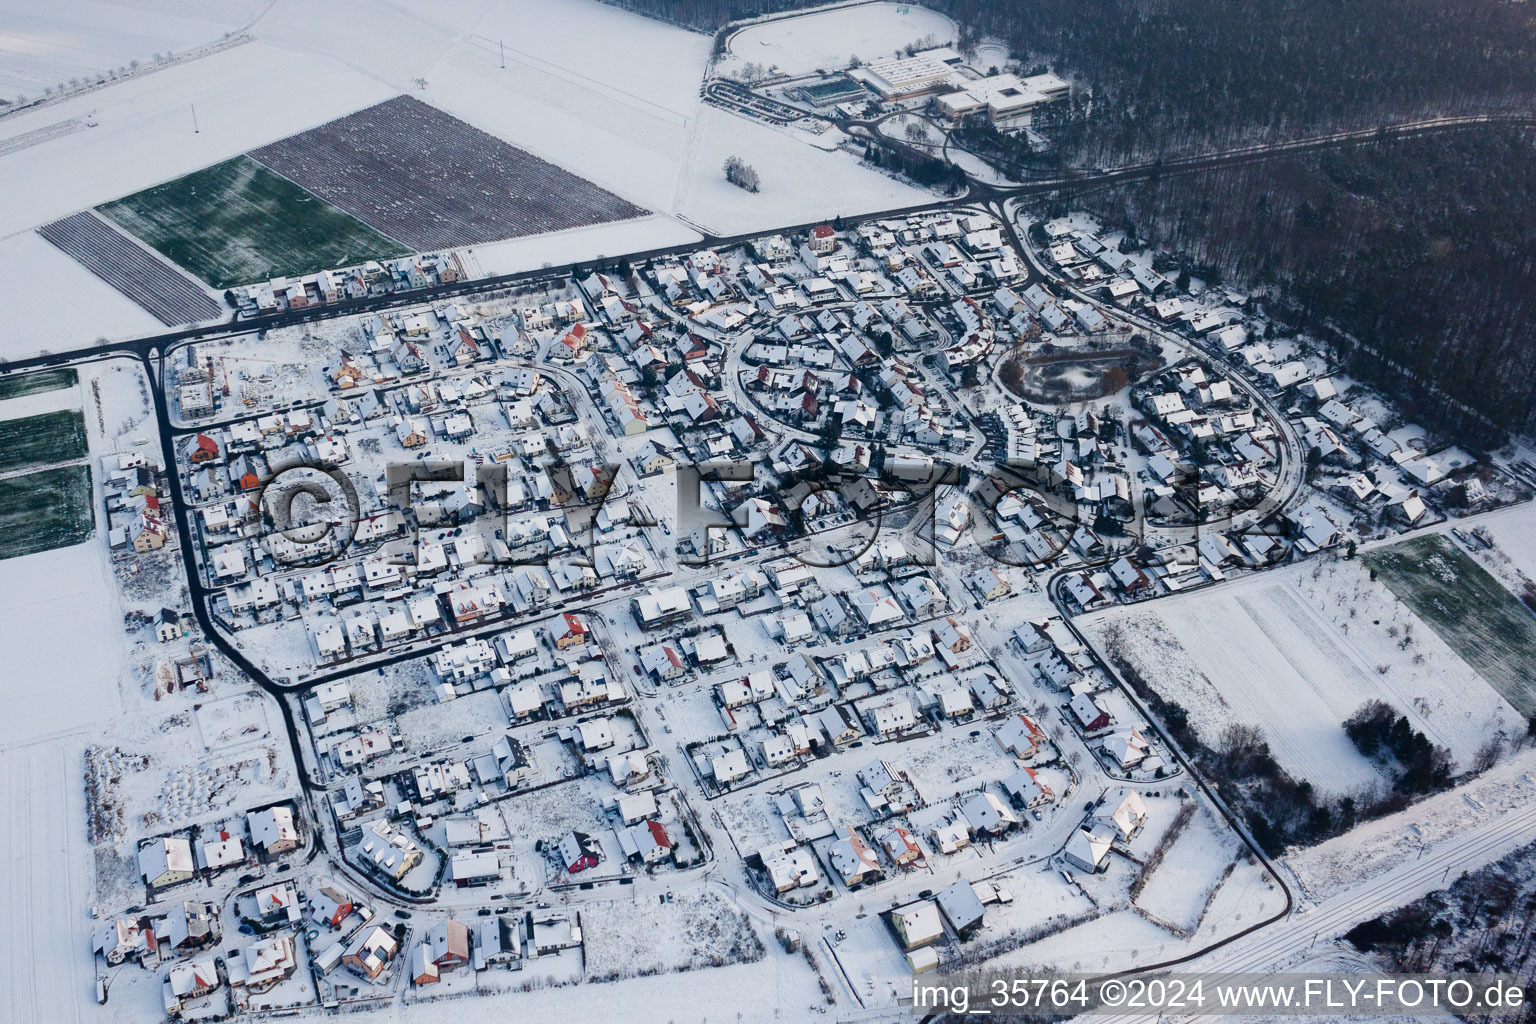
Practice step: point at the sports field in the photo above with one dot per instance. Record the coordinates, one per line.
(41, 511)
(238, 223)
(1471, 611)
(41, 440)
(23, 384)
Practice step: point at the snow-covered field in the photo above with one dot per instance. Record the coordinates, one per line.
(63, 642)
(245, 96)
(800, 180)
(831, 39)
(47, 884)
(45, 46)
(59, 305)
(578, 245)
(1296, 656)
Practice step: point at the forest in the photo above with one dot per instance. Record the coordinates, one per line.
(1484, 922)
(1417, 257)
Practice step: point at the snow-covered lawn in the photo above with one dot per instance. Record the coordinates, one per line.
(1181, 885)
(831, 39)
(645, 935)
(1296, 655)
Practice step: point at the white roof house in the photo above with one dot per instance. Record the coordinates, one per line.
(1086, 850)
(166, 861)
(918, 923)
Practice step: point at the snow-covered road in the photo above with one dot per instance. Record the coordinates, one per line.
(1332, 917)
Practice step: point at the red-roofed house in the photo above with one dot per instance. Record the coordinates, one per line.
(207, 449)
(575, 632)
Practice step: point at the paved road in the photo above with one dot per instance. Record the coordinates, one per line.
(978, 191)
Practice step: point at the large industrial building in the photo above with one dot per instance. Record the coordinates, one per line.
(900, 77)
(1008, 101)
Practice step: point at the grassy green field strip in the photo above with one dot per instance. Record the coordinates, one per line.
(1473, 613)
(42, 511)
(238, 223)
(42, 440)
(23, 384)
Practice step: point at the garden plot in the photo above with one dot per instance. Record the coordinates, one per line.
(432, 727)
(829, 40)
(192, 793)
(1192, 863)
(702, 929)
(233, 721)
(432, 181)
(145, 786)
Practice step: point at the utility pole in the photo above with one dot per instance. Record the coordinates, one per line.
(195, 129)
(502, 43)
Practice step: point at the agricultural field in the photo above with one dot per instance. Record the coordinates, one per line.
(1470, 610)
(42, 511)
(132, 270)
(434, 182)
(42, 440)
(21, 385)
(237, 222)
(1295, 653)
